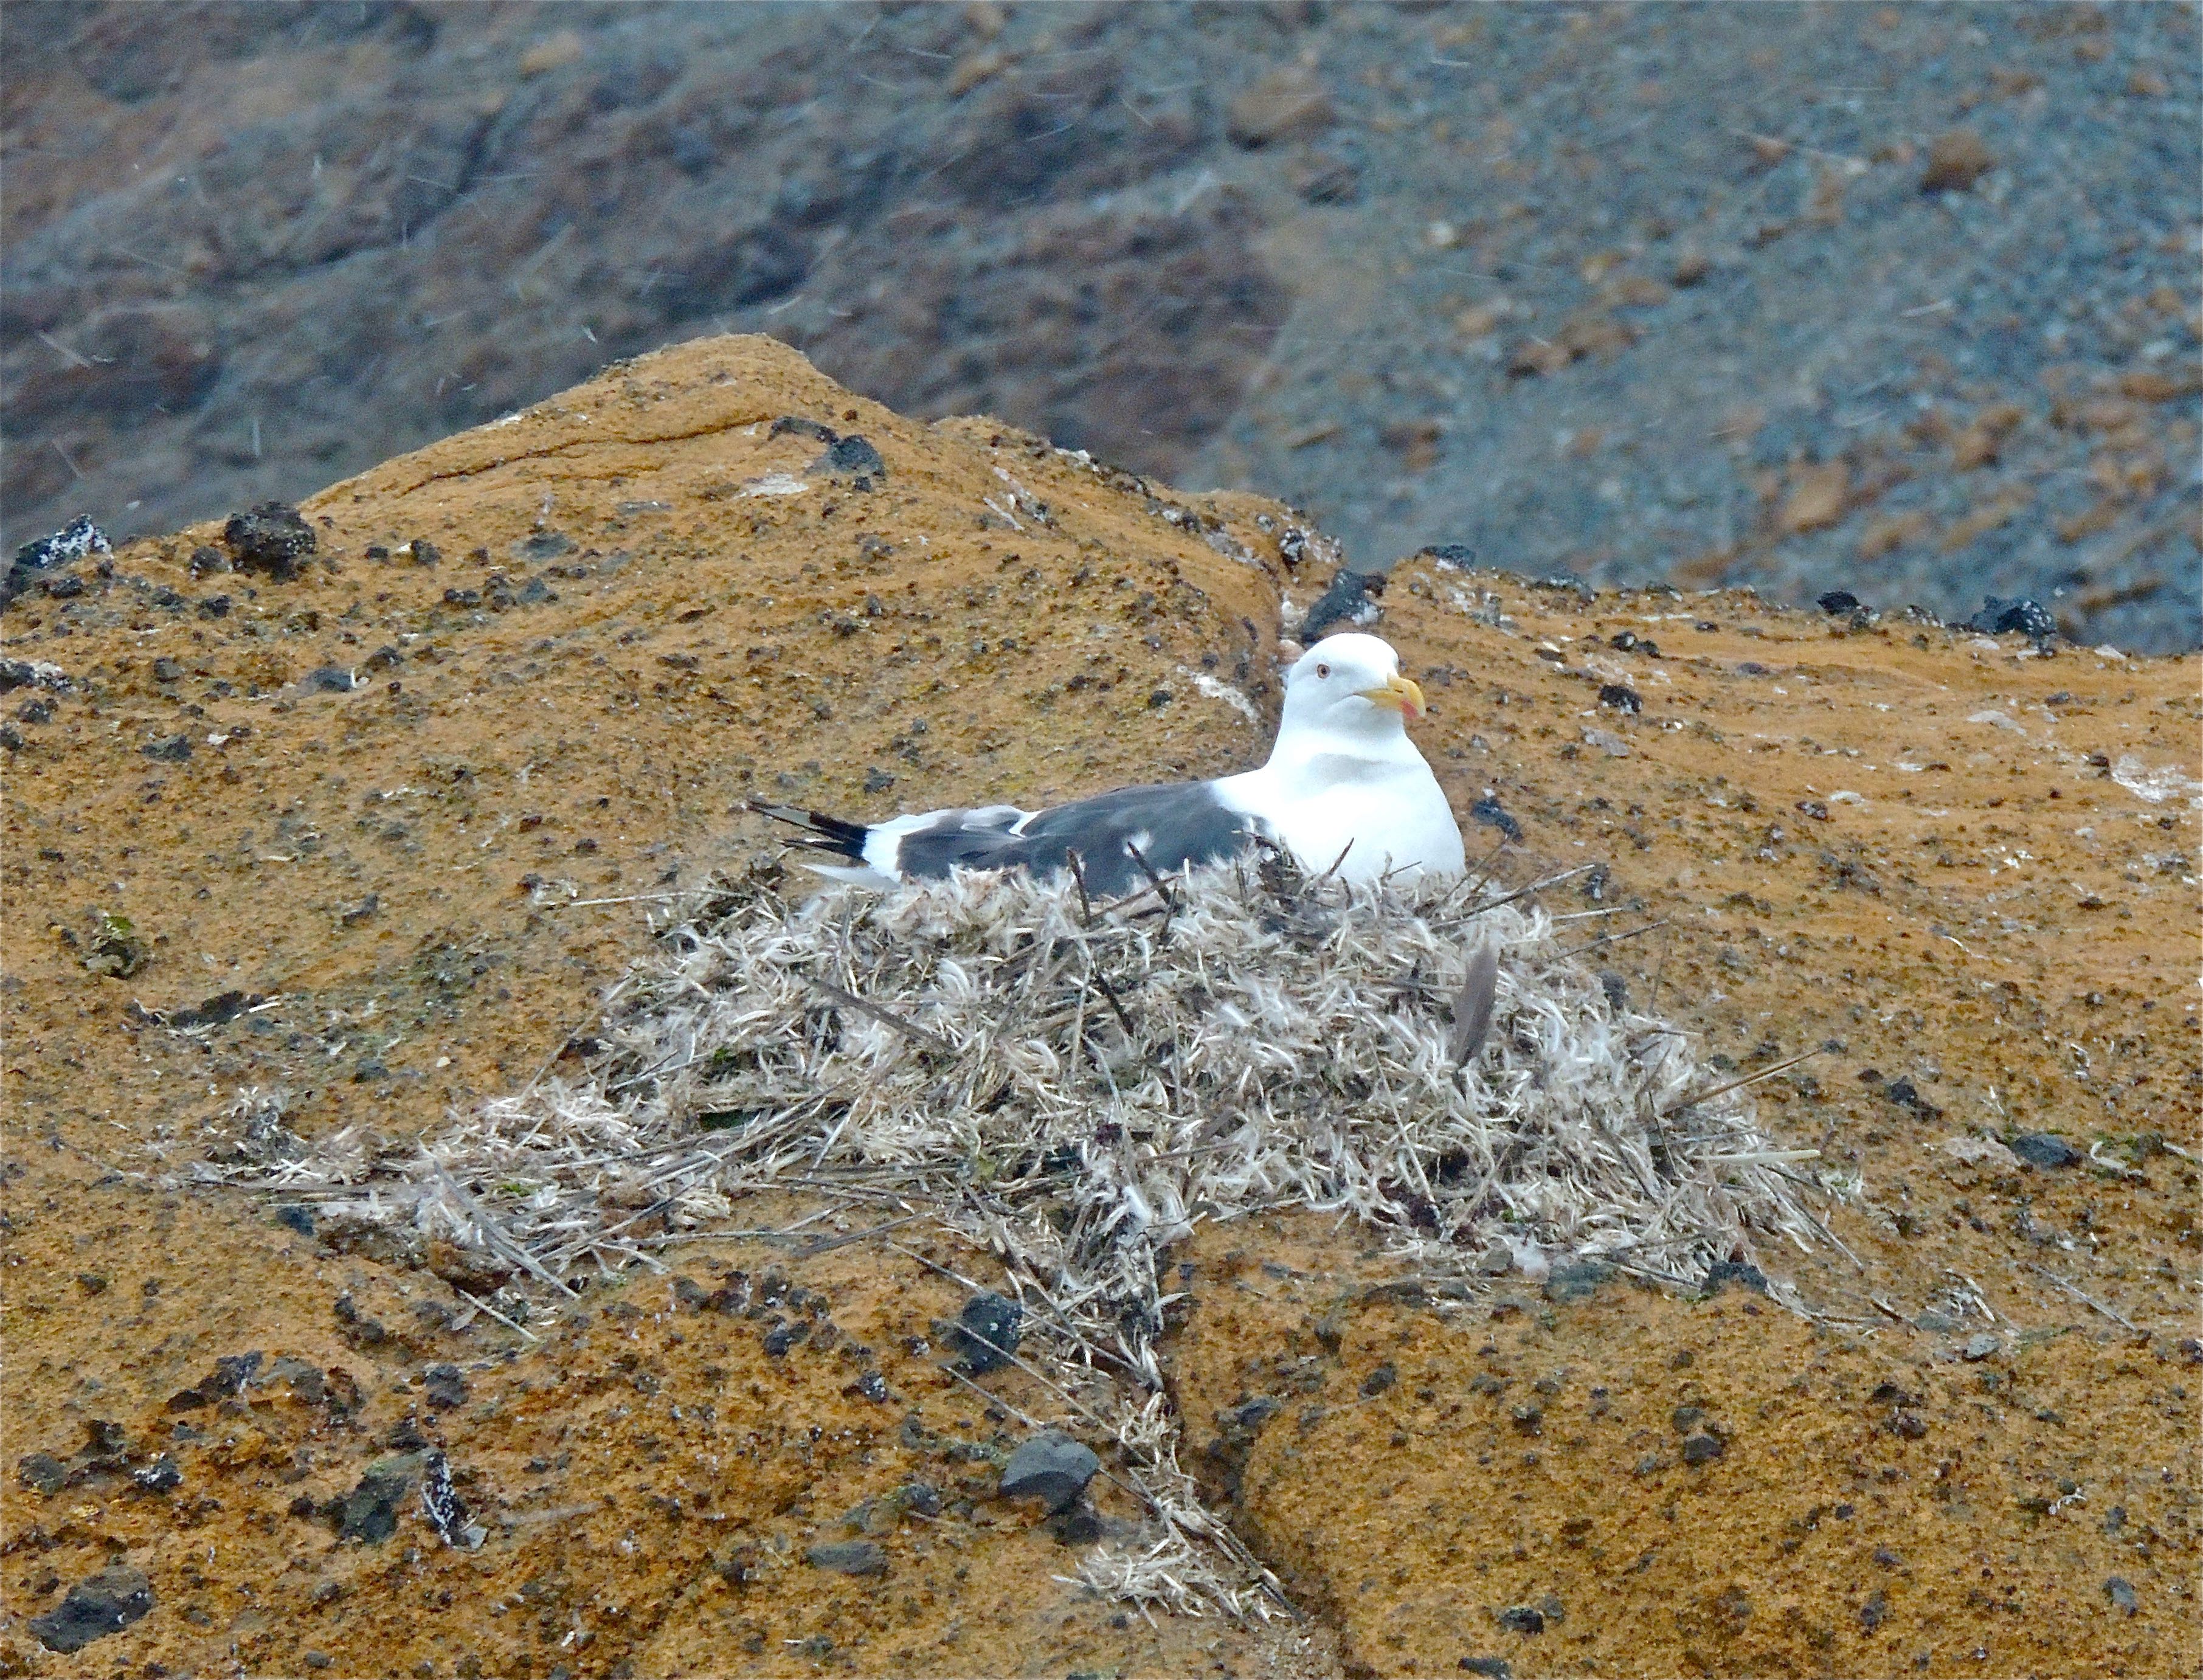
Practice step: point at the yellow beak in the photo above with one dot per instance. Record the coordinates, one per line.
(1399, 694)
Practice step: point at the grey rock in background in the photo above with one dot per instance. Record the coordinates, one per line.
(1898, 299)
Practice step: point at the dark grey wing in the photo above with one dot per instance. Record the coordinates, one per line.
(928, 848)
(1173, 824)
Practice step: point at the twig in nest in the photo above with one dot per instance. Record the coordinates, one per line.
(1534, 886)
(886, 1017)
(495, 1234)
(475, 1303)
(1110, 992)
(824, 1243)
(1677, 1106)
(1476, 876)
(1609, 938)
(1078, 876)
(1161, 886)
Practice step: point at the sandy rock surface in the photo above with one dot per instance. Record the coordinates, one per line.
(341, 835)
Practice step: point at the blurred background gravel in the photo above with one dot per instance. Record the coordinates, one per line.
(1898, 299)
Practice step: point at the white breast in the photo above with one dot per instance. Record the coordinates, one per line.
(1386, 815)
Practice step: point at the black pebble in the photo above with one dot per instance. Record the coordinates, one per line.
(1351, 601)
(80, 537)
(102, 1604)
(297, 1216)
(1496, 1668)
(1080, 1525)
(1622, 697)
(1999, 616)
(1450, 554)
(328, 679)
(1487, 811)
(1576, 1280)
(269, 539)
(368, 1512)
(1698, 1449)
(2122, 1595)
(173, 750)
(986, 1332)
(849, 1557)
(851, 455)
(444, 1386)
(2045, 1149)
(1723, 1272)
(1050, 1467)
(1521, 1619)
(1839, 603)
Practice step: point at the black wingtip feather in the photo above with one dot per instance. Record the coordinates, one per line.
(829, 833)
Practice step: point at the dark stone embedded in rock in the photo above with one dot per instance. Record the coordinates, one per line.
(160, 1477)
(1050, 1467)
(852, 457)
(1702, 1448)
(329, 679)
(1906, 1094)
(444, 1386)
(1998, 617)
(2122, 1595)
(986, 1332)
(173, 750)
(2044, 1149)
(1495, 1668)
(1839, 603)
(1249, 1416)
(1722, 1273)
(1620, 696)
(1488, 811)
(271, 539)
(849, 1557)
(803, 429)
(1078, 1525)
(72, 543)
(1576, 1280)
(1521, 1619)
(1983, 1346)
(1349, 604)
(368, 1512)
(1380, 1380)
(99, 1605)
(42, 1473)
(1450, 554)
(870, 1385)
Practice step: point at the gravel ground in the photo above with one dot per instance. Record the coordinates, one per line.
(1899, 299)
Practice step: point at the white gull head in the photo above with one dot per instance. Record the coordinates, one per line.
(1344, 778)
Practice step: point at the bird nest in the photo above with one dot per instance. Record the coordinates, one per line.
(1072, 1086)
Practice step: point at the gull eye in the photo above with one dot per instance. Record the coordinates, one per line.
(1323, 671)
